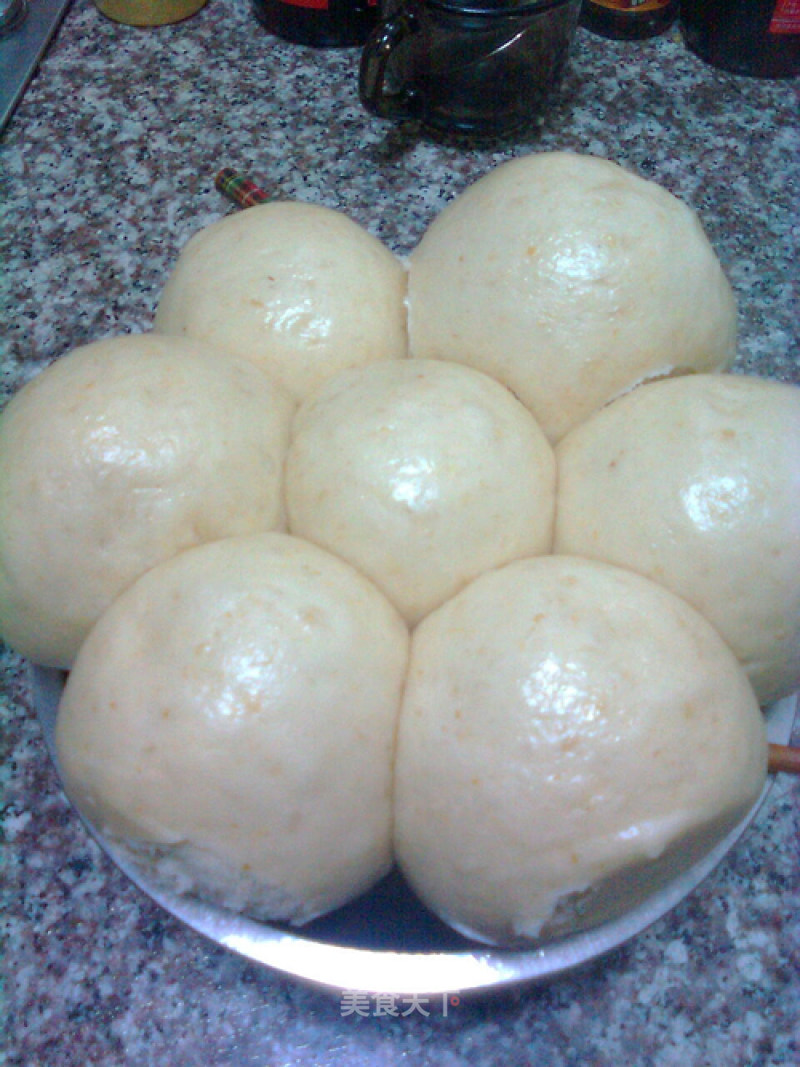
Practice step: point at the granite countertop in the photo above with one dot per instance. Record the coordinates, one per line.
(108, 167)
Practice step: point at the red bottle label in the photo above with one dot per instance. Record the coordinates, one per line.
(785, 17)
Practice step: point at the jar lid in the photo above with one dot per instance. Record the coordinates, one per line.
(148, 12)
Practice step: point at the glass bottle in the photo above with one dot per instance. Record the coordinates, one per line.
(322, 23)
(756, 37)
(627, 20)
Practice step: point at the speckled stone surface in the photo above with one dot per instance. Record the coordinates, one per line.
(107, 169)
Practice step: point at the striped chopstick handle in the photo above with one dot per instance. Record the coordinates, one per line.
(239, 189)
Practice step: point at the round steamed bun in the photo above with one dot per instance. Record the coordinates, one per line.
(571, 281)
(300, 290)
(116, 457)
(234, 713)
(572, 736)
(422, 474)
(695, 482)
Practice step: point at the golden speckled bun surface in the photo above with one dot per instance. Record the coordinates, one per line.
(695, 482)
(572, 735)
(299, 289)
(234, 711)
(570, 280)
(422, 474)
(114, 458)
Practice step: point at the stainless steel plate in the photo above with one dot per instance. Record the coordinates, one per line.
(386, 941)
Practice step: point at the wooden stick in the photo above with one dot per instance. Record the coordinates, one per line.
(784, 758)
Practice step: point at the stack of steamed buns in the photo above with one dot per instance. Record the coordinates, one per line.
(480, 563)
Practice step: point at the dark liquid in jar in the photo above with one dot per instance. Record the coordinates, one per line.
(487, 75)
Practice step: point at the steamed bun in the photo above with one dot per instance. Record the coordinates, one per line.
(571, 281)
(571, 737)
(232, 715)
(422, 474)
(695, 482)
(300, 290)
(114, 458)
